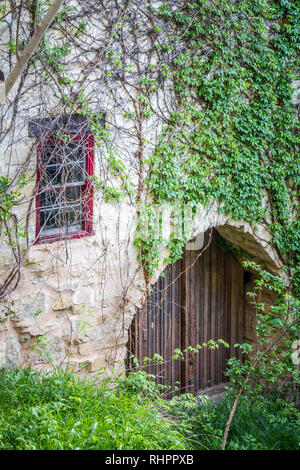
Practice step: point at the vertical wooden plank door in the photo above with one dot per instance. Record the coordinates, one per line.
(198, 298)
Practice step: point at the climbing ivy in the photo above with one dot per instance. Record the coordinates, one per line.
(229, 68)
(232, 137)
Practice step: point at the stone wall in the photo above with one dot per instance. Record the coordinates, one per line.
(76, 298)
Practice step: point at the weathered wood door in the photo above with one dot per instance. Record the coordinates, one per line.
(199, 298)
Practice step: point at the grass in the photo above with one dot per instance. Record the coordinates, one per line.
(264, 423)
(57, 411)
(260, 424)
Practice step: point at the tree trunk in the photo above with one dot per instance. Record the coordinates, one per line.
(31, 47)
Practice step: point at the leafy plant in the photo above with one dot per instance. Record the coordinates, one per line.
(58, 411)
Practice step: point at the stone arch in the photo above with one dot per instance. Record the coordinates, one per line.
(253, 239)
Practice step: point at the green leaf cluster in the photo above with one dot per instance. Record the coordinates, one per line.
(233, 136)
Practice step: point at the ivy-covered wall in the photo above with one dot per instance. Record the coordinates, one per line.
(233, 136)
(200, 104)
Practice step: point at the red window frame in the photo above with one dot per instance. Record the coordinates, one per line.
(87, 140)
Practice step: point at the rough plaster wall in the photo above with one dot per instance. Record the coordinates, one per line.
(79, 296)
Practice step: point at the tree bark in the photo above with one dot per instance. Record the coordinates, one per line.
(31, 46)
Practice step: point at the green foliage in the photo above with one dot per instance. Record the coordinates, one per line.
(56, 411)
(10, 195)
(269, 361)
(53, 55)
(148, 237)
(3, 9)
(266, 423)
(233, 136)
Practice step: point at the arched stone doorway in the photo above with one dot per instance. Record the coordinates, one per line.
(197, 299)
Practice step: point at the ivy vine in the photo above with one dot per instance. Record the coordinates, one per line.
(233, 137)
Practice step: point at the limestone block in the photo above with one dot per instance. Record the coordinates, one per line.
(70, 330)
(92, 278)
(68, 286)
(44, 324)
(50, 351)
(63, 302)
(76, 256)
(25, 337)
(28, 307)
(91, 333)
(50, 325)
(13, 349)
(91, 348)
(2, 352)
(256, 242)
(39, 261)
(97, 364)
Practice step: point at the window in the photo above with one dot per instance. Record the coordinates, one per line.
(65, 196)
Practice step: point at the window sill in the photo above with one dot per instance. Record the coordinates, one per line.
(57, 238)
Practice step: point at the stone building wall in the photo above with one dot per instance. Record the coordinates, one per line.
(76, 298)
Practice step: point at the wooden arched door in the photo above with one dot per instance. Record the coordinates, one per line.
(197, 299)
